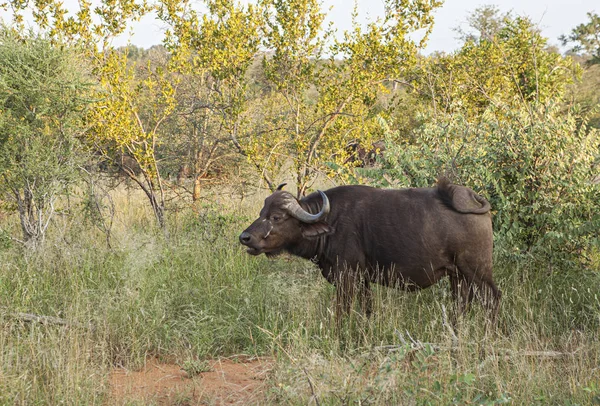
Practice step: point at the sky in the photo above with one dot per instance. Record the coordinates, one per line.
(554, 17)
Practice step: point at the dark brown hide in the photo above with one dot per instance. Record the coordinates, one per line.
(406, 238)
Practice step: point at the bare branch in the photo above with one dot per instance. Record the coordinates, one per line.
(45, 320)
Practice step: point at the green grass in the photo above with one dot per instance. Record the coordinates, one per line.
(195, 294)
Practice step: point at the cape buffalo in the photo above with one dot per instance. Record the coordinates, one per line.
(405, 238)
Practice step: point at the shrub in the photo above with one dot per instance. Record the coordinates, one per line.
(43, 96)
(535, 164)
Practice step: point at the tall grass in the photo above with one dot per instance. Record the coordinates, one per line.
(545, 351)
(194, 293)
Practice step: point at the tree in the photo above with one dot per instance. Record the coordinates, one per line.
(44, 95)
(513, 66)
(195, 145)
(484, 23)
(125, 121)
(295, 40)
(129, 109)
(306, 108)
(586, 37)
(214, 53)
(327, 104)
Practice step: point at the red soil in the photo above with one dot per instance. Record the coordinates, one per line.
(230, 382)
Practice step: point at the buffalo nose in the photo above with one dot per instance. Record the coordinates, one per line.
(245, 237)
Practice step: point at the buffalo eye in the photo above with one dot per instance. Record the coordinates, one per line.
(276, 218)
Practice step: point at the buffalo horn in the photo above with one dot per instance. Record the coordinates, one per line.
(280, 187)
(293, 207)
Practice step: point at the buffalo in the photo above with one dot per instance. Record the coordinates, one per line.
(364, 157)
(404, 238)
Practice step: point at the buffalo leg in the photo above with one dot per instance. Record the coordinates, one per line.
(490, 297)
(366, 297)
(346, 289)
(488, 293)
(462, 291)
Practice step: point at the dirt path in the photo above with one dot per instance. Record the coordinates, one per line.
(234, 381)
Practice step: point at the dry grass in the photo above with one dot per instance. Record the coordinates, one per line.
(193, 294)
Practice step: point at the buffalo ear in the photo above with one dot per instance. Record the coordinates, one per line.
(316, 229)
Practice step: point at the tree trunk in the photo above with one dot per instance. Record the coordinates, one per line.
(182, 174)
(196, 190)
(34, 215)
(25, 221)
(26, 214)
(158, 208)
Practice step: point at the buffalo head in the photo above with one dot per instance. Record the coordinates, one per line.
(283, 222)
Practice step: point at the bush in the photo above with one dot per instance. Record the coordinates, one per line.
(535, 164)
(43, 96)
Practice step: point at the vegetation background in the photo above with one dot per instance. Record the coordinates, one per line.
(126, 175)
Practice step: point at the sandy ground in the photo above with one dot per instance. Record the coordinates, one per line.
(234, 381)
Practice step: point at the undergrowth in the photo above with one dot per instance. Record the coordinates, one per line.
(194, 294)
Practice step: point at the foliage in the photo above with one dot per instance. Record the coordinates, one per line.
(539, 172)
(91, 26)
(333, 103)
(535, 165)
(498, 123)
(198, 296)
(295, 40)
(214, 53)
(304, 110)
(513, 66)
(129, 109)
(484, 23)
(126, 118)
(586, 37)
(195, 367)
(44, 93)
(585, 94)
